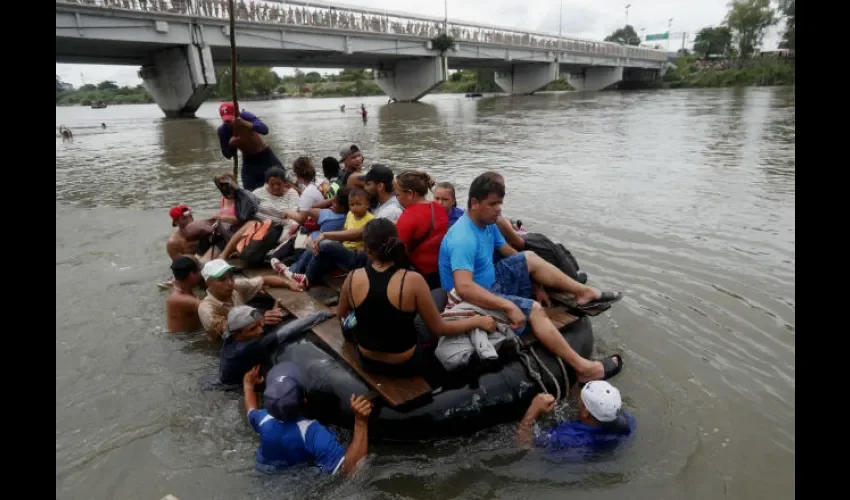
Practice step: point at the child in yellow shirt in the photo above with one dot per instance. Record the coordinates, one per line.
(341, 248)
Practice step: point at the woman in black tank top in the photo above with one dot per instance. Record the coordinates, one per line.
(385, 298)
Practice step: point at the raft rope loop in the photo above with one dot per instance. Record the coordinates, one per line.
(526, 361)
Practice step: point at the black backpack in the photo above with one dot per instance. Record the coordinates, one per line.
(258, 240)
(553, 253)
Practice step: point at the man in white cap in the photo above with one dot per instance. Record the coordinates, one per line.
(224, 291)
(601, 424)
(287, 438)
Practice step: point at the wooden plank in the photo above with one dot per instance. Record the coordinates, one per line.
(394, 390)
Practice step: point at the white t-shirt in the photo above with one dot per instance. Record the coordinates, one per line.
(272, 207)
(390, 209)
(309, 197)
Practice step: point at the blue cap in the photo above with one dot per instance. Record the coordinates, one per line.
(284, 394)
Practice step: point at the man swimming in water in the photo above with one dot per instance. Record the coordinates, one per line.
(192, 238)
(601, 424)
(245, 134)
(181, 306)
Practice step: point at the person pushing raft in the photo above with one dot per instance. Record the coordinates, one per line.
(245, 133)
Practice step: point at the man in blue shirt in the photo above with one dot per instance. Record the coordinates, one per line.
(513, 284)
(601, 425)
(245, 133)
(287, 438)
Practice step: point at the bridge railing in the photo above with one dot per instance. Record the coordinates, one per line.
(350, 18)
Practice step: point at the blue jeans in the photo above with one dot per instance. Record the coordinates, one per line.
(333, 253)
(514, 283)
(301, 263)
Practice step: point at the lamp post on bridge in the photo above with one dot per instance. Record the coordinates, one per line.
(446, 19)
(561, 20)
(627, 13)
(669, 29)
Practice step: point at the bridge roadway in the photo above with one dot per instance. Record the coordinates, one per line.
(177, 42)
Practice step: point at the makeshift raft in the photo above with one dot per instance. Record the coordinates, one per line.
(416, 407)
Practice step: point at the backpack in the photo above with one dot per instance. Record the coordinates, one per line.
(553, 253)
(259, 238)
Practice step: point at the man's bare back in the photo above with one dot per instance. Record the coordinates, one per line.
(178, 245)
(181, 310)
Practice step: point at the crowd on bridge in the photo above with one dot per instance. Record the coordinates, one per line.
(353, 20)
(399, 251)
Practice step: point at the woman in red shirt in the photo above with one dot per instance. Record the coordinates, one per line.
(422, 225)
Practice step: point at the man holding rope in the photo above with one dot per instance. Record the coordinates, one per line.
(245, 133)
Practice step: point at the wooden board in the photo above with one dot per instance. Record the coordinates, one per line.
(394, 391)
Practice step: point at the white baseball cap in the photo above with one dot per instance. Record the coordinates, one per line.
(602, 400)
(215, 269)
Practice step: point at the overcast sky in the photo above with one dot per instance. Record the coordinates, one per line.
(594, 19)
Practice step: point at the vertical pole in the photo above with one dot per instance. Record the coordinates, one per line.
(669, 28)
(446, 20)
(561, 20)
(233, 81)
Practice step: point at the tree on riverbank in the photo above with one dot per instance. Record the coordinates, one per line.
(713, 42)
(748, 20)
(625, 35)
(789, 37)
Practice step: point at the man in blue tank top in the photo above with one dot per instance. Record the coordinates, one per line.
(601, 424)
(514, 285)
(287, 438)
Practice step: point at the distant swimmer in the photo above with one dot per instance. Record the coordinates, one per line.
(102, 125)
(363, 111)
(342, 108)
(66, 133)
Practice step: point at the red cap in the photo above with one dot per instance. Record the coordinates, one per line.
(227, 111)
(177, 212)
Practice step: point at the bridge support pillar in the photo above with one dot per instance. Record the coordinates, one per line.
(526, 78)
(409, 80)
(596, 78)
(178, 78)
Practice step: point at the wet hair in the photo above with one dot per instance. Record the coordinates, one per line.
(341, 199)
(380, 237)
(330, 167)
(484, 185)
(276, 171)
(356, 192)
(450, 187)
(183, 266)
(416, 181)
(303, 167)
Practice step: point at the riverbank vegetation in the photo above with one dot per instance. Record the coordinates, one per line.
(257, 83)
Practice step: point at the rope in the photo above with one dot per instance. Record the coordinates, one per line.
(554, 380)
(526, 361)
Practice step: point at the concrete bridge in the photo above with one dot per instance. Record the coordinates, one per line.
(178, 42)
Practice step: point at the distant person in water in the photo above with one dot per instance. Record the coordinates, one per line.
(602, 425)
(363, 111)
(245, 134)
(66, 133)
(181, 306)
(342, 108)
(103, 125)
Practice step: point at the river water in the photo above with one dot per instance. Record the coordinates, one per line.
(682, 199)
